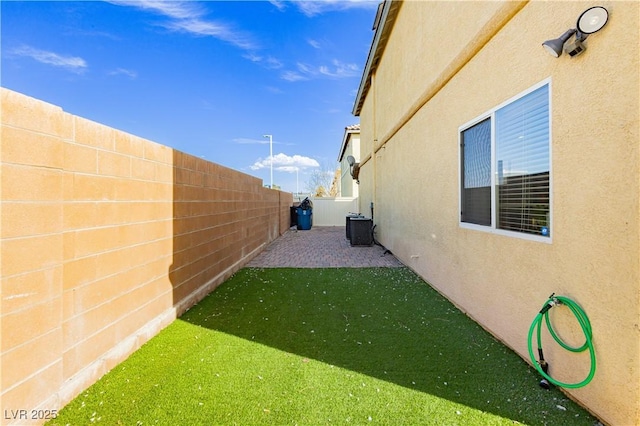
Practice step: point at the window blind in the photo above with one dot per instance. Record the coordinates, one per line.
(522, 164)
(476, 174)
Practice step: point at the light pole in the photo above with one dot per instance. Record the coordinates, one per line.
(270, 156)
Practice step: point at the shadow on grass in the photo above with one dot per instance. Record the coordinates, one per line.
(388, 324)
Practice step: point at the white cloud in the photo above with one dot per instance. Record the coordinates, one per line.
(304, 68)
(285, 163)
(253, 57)
(280, 5)
(337, 69)
(187, 16)
(172, 9)
(293, 76)
(122, 71)
(288, 169)
(313, 8)
(218, 30)
(273, 63)
(71, 63)
(84, 33)
(314, 43)
(268, 62)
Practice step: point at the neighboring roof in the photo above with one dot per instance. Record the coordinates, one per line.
(385, 18)
(348, 131)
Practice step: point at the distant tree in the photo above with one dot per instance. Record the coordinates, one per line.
(335, 184)
(319, 180)
(320, 192)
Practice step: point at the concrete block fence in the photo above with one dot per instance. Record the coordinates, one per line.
(105, 239)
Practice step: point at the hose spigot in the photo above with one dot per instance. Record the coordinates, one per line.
(551, 302)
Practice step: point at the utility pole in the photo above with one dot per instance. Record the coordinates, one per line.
(270, 156)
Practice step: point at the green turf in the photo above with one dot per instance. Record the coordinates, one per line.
(323, 346)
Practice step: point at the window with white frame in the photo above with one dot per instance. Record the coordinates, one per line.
(505, 166)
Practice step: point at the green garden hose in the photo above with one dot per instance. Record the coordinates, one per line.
(583, 320)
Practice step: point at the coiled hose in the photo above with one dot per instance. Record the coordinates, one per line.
(585, 324)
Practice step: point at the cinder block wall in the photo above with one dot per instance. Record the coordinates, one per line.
(105, 239)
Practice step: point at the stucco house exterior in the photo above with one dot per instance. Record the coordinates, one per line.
(350, 147)
(502, 174)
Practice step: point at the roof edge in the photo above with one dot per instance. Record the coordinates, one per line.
(348, 131)
(386, 20)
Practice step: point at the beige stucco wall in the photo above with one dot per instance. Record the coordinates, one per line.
(366, 188)
(105, 239)
(424, 89)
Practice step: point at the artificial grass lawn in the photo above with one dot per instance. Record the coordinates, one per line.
(321, 346)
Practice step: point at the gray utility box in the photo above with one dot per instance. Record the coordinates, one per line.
(361, 231)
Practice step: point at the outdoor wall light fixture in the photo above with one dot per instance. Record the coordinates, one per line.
(590, 21)
(355, 167)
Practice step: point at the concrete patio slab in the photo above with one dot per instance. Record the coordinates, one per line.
(321, 247)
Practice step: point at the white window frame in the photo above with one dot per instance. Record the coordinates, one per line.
(491, 114)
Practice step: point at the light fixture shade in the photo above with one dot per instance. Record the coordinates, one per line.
(592, 20)
(554, 47)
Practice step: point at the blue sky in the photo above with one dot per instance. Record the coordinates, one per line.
(209, 78)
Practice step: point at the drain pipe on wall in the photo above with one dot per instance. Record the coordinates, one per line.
(373, 227)
(542, 366)
(373, 236)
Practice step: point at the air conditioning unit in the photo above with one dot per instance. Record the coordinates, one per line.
(348, 223)
(361, 231)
